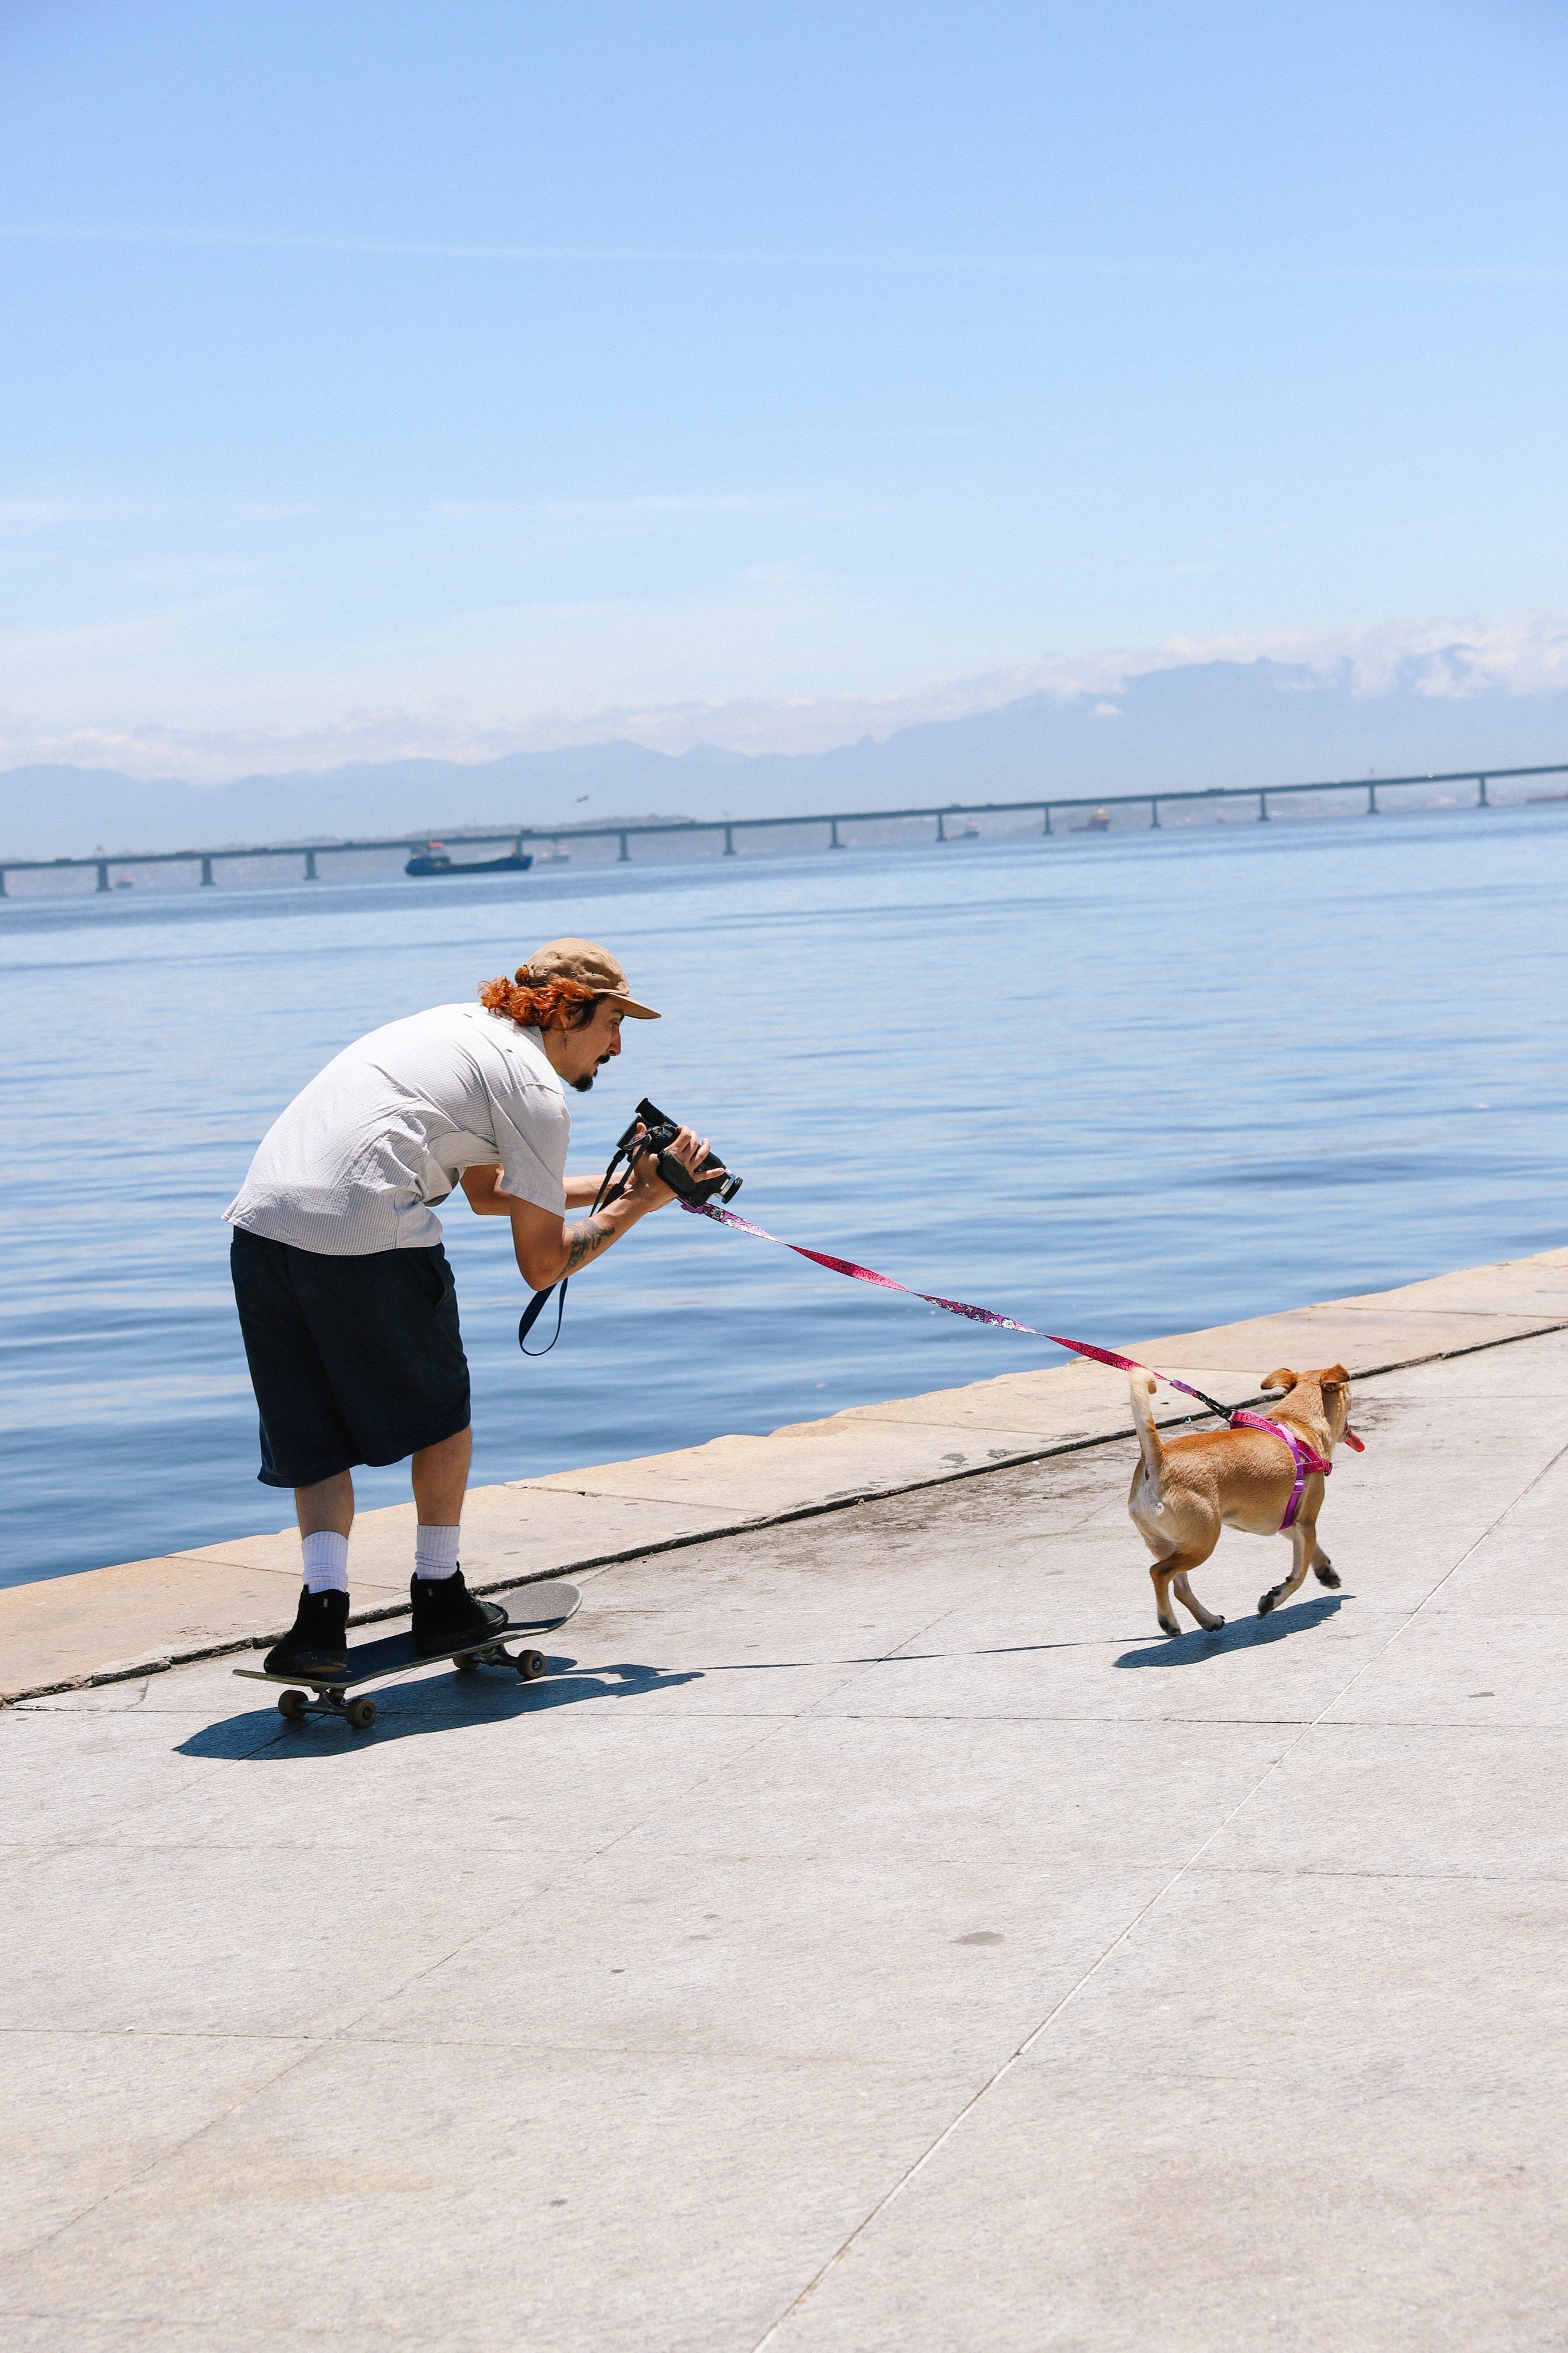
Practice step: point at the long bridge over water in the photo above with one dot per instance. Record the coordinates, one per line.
(1048, 807)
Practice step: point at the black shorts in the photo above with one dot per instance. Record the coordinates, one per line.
(352, 1359)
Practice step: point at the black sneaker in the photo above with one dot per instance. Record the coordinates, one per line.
(317, 1644)
(447, 1615)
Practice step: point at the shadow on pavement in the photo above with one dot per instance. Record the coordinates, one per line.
(446, 1702)
(441, 1704)
(1235, 1634)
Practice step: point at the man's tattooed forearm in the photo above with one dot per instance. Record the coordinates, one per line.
(584, 1241)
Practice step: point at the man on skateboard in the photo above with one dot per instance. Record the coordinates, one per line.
(346, 1302)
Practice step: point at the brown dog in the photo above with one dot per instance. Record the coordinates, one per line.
(1185, 1492)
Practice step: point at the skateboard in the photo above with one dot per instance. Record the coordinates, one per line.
(530, 1610)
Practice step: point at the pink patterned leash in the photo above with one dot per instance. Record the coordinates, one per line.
(954, 1306)
(1307, 1460)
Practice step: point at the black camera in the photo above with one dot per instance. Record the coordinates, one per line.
(660, 1135)
(650, 1131)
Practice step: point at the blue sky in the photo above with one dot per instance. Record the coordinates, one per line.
(390, 377)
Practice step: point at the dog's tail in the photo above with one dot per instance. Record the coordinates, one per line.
(1142, 1385)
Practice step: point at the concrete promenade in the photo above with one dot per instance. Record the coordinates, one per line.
(873, 1933)
(67, 1631)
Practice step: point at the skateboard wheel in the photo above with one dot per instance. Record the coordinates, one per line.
(361, 1714)
(531, 1665)
(292, 1704)
(465, 1663)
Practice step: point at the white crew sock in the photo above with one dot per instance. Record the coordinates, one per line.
(435, 1552)
(326, 1562)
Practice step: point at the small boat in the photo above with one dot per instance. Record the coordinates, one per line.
(434, 859)
(1098, 823)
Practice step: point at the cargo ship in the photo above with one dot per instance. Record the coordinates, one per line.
(434, 859)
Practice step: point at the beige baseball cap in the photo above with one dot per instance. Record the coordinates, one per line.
(593, 966)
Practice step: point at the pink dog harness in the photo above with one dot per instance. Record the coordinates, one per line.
(1307, 1460)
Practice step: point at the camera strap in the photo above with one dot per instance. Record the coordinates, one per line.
(531, 1314)
(608, 1191)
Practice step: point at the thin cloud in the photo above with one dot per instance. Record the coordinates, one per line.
(816, 433)
(639, 505)
(1440, 661)
(19, 512)
(1048, 266)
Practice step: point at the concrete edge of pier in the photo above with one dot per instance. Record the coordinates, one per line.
(140, 1617)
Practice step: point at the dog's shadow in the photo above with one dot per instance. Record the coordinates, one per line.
(1235, 1634)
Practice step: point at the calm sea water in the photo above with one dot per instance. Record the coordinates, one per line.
(1116, 1085)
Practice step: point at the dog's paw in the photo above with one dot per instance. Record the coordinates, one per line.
(1169, 1626)
(1213, 1625)
(1327, 1574)
(1265, 1602)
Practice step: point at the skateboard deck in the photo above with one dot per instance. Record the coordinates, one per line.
(530, 1610)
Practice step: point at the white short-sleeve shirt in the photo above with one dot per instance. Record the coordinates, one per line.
(356, 1161)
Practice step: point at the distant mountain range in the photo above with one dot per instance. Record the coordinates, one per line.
(1208, 723)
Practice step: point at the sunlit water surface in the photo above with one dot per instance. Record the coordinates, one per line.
(1114, 1086)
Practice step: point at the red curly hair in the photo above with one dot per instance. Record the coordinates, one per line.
(537, 1007)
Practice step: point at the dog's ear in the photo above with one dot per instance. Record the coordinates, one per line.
(1282, 1379)
(1334, 1376)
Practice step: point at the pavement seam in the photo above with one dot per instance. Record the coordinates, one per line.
(823, 1708)
(912, 2172)
(1411, 1878)
(1452, 1570)
(205, 1770)
(178, 2147)
(573, 1865)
